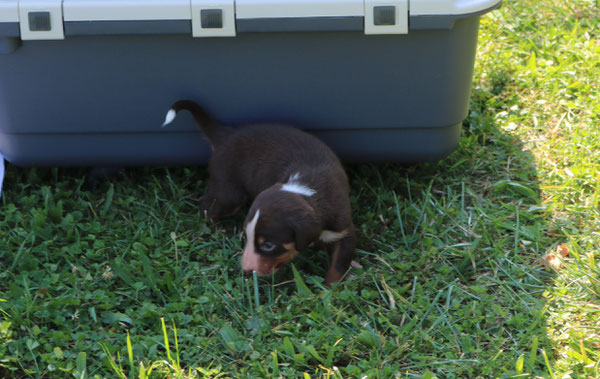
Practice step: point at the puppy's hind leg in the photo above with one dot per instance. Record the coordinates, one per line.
(221, 200)
(342, 253)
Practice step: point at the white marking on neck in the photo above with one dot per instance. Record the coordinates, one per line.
(170, 117)
(329, 236)
(296, 187)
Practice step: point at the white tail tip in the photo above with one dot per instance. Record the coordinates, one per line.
(170, 117)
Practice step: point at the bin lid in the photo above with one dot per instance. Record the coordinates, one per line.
(9, 11)
(451, 7)
(298, 8)
(332, 8)
(123, 10)
(41, 19)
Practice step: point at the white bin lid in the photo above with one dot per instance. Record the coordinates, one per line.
(449, 7)
(332, 8)
(298, 8)
(122, 10)
(377, 16)
(9, 11)
(90, 10)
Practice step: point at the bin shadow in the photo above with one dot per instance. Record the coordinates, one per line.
(468, 234)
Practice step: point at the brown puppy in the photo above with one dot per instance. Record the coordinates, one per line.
(300, 192)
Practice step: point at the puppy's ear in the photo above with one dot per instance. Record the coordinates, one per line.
(305, 225)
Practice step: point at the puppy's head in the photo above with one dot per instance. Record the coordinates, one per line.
(278, 225)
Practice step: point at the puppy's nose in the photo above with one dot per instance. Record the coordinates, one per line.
(247, 271)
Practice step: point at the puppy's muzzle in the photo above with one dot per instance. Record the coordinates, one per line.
(252, 261)
(274, 269)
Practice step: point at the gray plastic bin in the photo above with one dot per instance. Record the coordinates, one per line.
(88, 82)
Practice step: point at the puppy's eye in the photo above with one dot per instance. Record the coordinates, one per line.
(267, 247)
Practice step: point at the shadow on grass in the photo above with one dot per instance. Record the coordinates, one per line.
(451, 284)
(461, 240)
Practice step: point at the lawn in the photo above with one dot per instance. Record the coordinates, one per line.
(485, 264)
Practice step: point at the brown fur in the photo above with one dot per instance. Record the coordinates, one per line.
(254, 162)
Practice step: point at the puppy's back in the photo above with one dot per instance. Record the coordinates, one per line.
(264, 154)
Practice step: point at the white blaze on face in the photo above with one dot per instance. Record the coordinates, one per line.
(250, 259)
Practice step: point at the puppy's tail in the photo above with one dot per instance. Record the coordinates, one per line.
(209, 126)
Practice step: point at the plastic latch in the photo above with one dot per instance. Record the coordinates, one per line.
(41, 19)
(386, 17)
(213, 18)
(40, 22)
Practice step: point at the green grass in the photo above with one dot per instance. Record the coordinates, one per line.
(451, 284)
